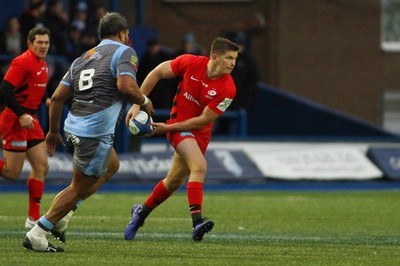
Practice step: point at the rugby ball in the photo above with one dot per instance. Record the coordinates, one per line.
(140, 125)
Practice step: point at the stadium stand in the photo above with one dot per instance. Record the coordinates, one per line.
(281, 114)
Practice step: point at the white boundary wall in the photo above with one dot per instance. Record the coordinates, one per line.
(304, 160)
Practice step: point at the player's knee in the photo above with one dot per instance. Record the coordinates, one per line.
(13, 175)
(41, 169)
(200, 168)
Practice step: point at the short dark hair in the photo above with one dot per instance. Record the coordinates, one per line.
(222, 45)
(112, 24)
(37, 31)
(33, 4)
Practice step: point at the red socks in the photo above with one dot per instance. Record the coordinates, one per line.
(35, 188)
(195, 196)
(158, 196)
(194, 193)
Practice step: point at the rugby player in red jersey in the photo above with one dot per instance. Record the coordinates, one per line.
(22, 91)
(204, 93)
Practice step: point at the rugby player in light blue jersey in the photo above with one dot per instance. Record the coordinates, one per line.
(100, 81)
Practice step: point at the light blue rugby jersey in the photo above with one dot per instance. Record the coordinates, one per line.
(97, 103)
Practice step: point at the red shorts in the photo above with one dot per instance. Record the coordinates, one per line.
(16, 138)
(203, 139)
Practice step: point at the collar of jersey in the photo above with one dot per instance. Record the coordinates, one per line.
(108, 41)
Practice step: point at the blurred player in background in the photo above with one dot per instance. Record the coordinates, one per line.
(204, 93)
(22, 91)
(100, 81)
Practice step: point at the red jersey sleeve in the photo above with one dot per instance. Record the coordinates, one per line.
(180, 64)
(28, 75)
(17, 72)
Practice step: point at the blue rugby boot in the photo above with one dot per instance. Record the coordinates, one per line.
(136, 222)
(202, 228)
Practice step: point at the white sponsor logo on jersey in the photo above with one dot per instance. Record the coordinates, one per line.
(224, 104)
(195, 79)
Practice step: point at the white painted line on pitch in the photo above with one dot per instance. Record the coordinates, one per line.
(4, 218)
(220, 236)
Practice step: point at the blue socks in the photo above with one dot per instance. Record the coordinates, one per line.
(45, 224)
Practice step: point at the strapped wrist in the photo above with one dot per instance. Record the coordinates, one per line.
(145, 102)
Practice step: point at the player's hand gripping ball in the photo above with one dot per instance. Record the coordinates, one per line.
(140, 126)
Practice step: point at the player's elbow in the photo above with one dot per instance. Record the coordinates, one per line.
(61, 94)
(163, 71)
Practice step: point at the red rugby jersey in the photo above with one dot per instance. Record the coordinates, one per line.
(196, 90)
(28, 75)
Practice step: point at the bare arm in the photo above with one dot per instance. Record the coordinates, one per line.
(206, 117)
(61, 94)
(162, 71)
(58, 99)
(130, 90)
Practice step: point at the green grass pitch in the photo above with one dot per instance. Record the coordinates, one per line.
(251, 228)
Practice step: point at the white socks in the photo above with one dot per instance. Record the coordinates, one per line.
(38, 239)
(63, 223)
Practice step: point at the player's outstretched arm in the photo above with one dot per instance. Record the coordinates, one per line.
(51, 141)
(61, 94)
(162, 71)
